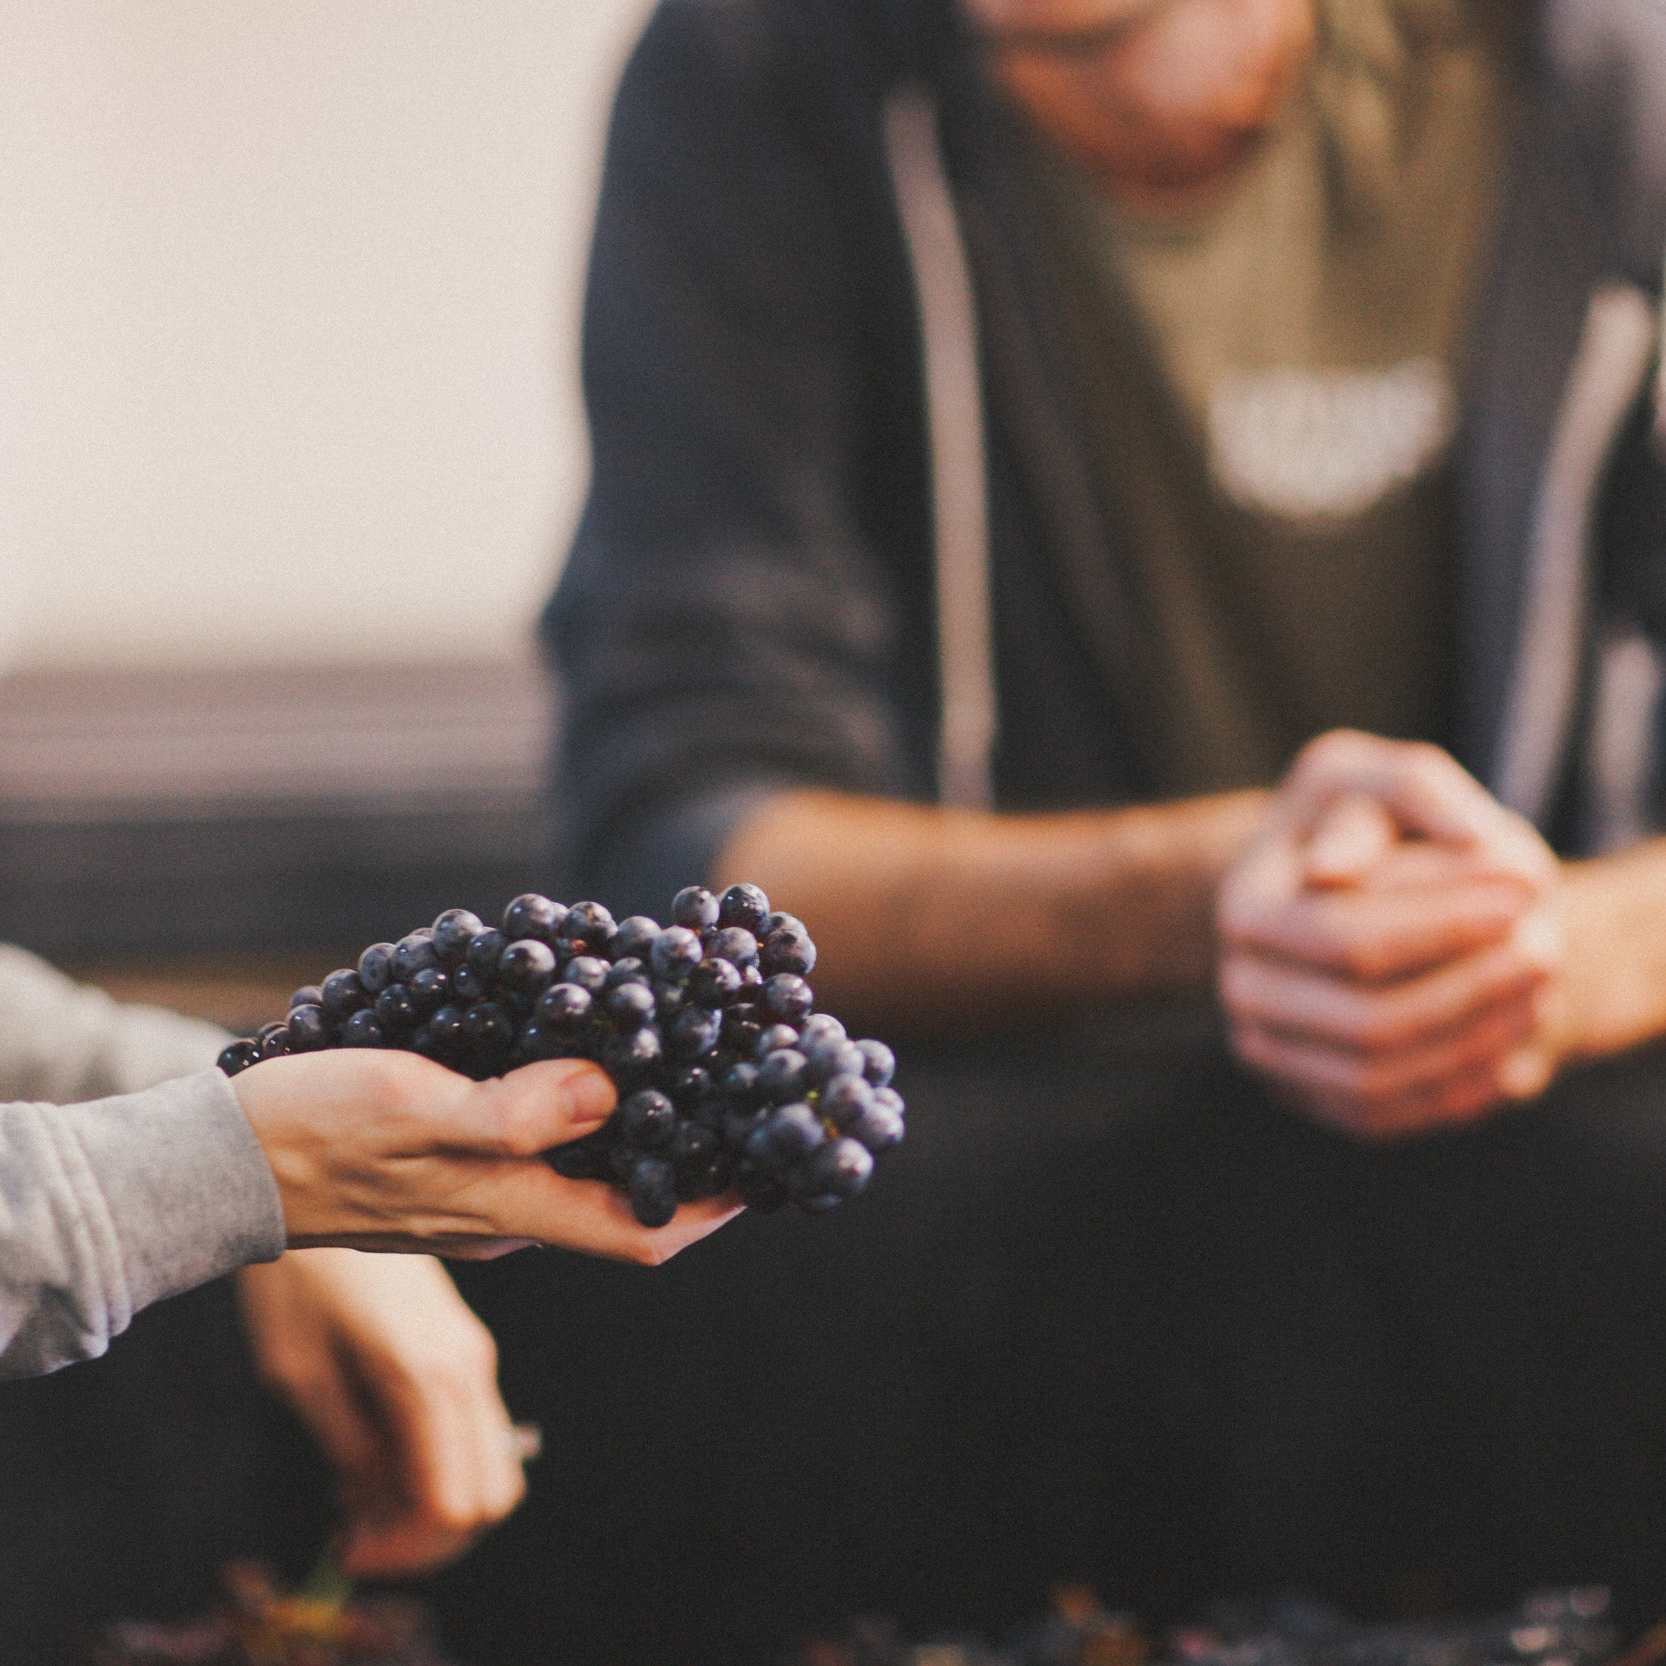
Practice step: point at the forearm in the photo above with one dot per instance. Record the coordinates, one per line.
(929, 915)
(1614, 916)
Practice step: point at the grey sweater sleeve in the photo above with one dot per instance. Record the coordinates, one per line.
(110, 1205)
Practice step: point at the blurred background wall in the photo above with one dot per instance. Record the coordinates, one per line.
(290, 443)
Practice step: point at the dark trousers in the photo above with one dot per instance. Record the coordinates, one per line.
(1108, 1315)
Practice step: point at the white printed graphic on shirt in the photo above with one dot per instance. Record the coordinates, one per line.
(1310, 444)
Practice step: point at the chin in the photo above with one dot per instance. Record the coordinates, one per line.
(1190, 175)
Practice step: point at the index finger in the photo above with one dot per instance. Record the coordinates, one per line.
(1372, 935)
(529, 1201)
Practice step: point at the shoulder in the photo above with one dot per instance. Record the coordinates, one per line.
(1607, 60)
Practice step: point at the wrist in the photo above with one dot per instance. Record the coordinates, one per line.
(1614, 920)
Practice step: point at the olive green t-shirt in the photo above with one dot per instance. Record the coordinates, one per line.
(1272, 388)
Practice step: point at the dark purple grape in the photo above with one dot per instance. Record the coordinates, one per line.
(535, 917)
(881, 1063)
(630, 1006)
(466, 983)
(535, 1041)
(309, 995)
(777, 921)
(414, 953)
(843, 1100)
(669, 998)
(689, 1084)
(741, 1012)
(750, 979)
(363, 1029)
(786, 998)
(692, 1147)
(485, 950)
(692, 1033)
(881, 1126)
(653, 1191)
(309, 1029)
(789, 1134)
(645, 1119)
(586, 928)
(744, 906)
(238, 1056)
(397, 1009)
(781, 1076)
(341, 995)
(621, 1159)
(740, 1082)
(833, 1058)
(627, 970)
(821, 1026)
(587, 972)
(627, 1058)
(454, 930)
(564, 1010)
(710, 1179)
(734, 944)
(585, 1159)
(445, 1026)
(787, 951)
(266, 1030)
(774, 1039)
(429, 989)
(694, 907)
(634, 939)
(714, 983)
(526, 966)
(676, 953)
(274, 1041)
(741, 1037)
(376, 968)
(841, 1169)
(487, 1025)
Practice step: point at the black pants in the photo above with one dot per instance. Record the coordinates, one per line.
(1107, 1315)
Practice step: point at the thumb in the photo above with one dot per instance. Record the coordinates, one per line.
(1352, 835)
(536, 1107)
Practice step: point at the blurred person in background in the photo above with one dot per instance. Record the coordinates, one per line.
(1110, 502)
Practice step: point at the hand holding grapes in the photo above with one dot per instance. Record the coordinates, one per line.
(1391, 945)
(386, 1150)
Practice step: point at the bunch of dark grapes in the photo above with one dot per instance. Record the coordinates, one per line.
(729, 1080)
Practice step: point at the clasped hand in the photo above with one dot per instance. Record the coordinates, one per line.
(1391, 943)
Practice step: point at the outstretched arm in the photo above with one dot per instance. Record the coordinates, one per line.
(931, 915)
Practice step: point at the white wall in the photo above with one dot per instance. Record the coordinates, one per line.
(288, 317)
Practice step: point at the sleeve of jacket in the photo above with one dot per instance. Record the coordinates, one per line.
(726, 627)
(108, 1206)
(151, 1184)
(63, 1041)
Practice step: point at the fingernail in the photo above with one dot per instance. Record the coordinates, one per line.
(589, 1096)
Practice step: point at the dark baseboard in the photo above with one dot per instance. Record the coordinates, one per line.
(180, 814)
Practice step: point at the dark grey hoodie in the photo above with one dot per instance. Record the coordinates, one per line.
(830, 403)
